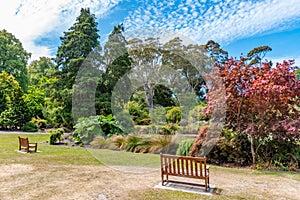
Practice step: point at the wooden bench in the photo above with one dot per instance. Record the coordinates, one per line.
(24, 144)
(184, 166)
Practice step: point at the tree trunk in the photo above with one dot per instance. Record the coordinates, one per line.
(252, 140)
(149, 95)
(150, 101)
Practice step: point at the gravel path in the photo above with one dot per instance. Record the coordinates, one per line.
(18, 181)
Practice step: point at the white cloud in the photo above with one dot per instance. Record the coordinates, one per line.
(29, 20)
(222, 21)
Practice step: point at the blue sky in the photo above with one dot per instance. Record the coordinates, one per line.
(238, 25)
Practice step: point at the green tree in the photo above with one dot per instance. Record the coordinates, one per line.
(41, 94)
(174, 115)
(13, 58)
(189, 60)
(164, 96)
(35, 101)
(13, 112)
(215, 52)
(257, 54)
(117, 62)
(146, 59)
(76, 44)
(39, 69)
(115, 47)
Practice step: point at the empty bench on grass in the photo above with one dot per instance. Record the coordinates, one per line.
(25, 144)
(184, 166)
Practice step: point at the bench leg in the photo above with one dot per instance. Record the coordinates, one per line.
(163, 181)
(207, 184)
(208, 181)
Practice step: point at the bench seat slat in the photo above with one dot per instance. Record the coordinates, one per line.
(184, 173)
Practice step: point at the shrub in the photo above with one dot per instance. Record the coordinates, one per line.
(125, 121)
(164, 130)
(282, 154)
(160, 143)
(169, 129)
(153, 129)
(30, 127)
(118, 140)
(185, 147)
(59, 130)
(89, 128)
(134, 108)
(231, 148)
(174, 115)
(158, 115)
(149, 144)
(56, 135)
(135, 143)
(132, 142)
(99, 142)
(196, 114)
(40, 123)
(110, 126)
(144, 120)
(142, 129)
(139, 115)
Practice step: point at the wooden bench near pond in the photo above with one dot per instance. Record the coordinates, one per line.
(26, 145)
(184, 166)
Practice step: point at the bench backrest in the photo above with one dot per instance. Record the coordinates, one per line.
(24, 142)
(183, 165)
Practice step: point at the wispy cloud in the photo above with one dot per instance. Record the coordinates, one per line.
(29, 20)
(220, 20)
(198, 20)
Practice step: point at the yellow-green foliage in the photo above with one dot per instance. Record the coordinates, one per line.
(185, 147)
(174, 115)
(195, 115)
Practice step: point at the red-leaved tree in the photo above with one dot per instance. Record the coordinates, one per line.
(262, 101)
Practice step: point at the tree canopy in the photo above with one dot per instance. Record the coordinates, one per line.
(262, 101)
(76, 45)
(13, 58)
(257, 54)
(13, 111)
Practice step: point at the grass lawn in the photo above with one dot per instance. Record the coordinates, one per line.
(120, 158)
(48, 154)
(63, 168)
